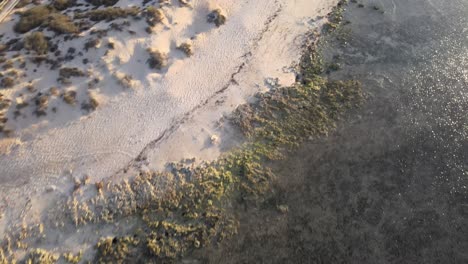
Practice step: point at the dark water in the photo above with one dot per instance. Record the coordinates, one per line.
(391, 184)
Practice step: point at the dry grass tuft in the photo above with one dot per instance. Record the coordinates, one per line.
(157, 59)
(36, 42)
(186, 48)
(217, 17)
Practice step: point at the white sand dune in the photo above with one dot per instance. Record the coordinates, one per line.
(168, 115)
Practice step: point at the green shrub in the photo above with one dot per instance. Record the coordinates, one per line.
(36, 42)
(33, 18)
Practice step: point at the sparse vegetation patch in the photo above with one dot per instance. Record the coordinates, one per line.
(109, 14)
(36, 42)
(102, 2)
(70, 97)
(217, 17)
(63, 4)
(61, 24)
(7, 82)
(153, 15)
(67, 72)
(186, 48)
(157, 59)
(33, 18)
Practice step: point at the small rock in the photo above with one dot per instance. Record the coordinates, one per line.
(214, 140)
(51, 188)
(283, 209)
(272, 82)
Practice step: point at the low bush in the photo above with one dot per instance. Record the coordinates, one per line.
(7, 82)
(70, 97)
(8, 65)
(109, 14)
(61, 24)
(63, 4)
(71, 72)
(36, 42)
(47, 16)
(153, 15)
(91, 43)
(33, 18)
(186, 48)
(102, 2)
(217, 17)
(157, 59)
(91, 105)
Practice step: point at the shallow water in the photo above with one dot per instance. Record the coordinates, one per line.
(390, 185)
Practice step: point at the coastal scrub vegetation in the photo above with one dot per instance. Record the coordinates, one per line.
(45, 15)
(33, 18)
(217, 17)
(186, 48)
(102, 2)
(153, 15)
(63, 4)
(109, 14)
(157, 60)
(36, 42)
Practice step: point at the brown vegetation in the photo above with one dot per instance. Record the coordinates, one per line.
(217, 17)
(45, 15)
(109, 14)
(153, 15)
(157, 59)
(61, 24)
(36, 42)
(63, 4)
(186, 48)
(102, 2)
(7, 82)
(33, 18)
(70, 97)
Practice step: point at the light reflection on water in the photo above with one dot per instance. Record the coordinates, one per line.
(393, 180)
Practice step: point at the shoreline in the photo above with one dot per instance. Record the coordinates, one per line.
(80, 204)
(45, 184)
